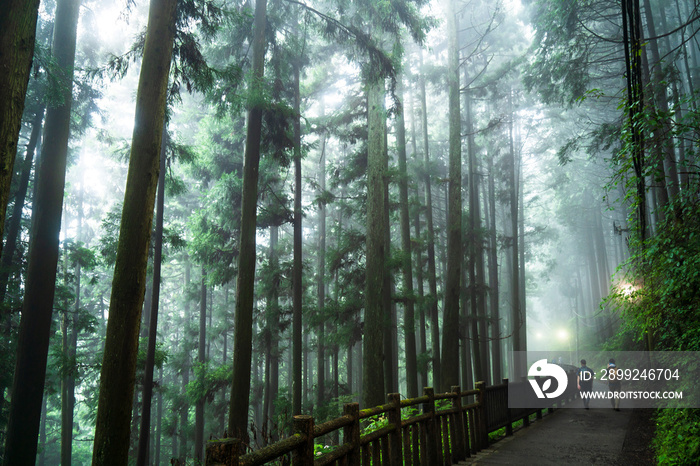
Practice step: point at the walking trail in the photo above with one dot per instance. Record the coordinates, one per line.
(575, 436)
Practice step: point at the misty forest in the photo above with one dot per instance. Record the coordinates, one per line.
(219, 214)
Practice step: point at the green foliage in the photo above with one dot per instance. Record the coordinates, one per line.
(660, 293)
(173, 239)
(208, 382)
(161, 356)
(110, 238)
(561, 52)
(677, 439)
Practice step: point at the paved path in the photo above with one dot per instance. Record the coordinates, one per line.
(566, 437)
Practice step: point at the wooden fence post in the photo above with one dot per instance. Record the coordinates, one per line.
(304, 455)
(351, 433)
(483, 435)
(457, 430)
(431, 447)
(394, 417)
(509, 415)
(223, 452)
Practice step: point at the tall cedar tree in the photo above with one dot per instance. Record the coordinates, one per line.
(297, 266)
(432, 280)
(516, 317)
(475, 262)
(17, 36)
(145, 428)
(409, 330)
(128, 286)
(201, 359)
(15, 220)
(321, 285)
(373, 342)
(35, 325)
(70, 347)
(377, 282)
(450, 320)
(243, 320)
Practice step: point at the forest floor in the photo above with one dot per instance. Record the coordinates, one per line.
(576, 436)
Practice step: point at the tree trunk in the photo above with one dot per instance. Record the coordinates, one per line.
(432, 301)
(421, 327)
(594, 283)
(201, 359)
(297, 266)
(306, 374)
(390, 352)
(142, 455)
(520, 182)
(159, 419)
(516, 320)
(35, 324)
(632, 31)
(184, 414)
(13, 231)
(466, 373)
(409, 330)
(688, 71)
(475, 316)
(174, 439)
(66, 407)
(17, 36)
(450, 320)
(321, 285)
(272, 383)
(493, 278)
(41, 461)
(224, 359)
(603, 270)
(677, 105)
(15, 221)
(243, 339)
(128, 285)
(663, 142)
(373, 354)
(70, 348)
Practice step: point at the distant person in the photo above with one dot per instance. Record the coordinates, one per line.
(614, 383)
(584, 382)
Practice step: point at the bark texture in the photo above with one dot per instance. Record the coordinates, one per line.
(242, 347)
(450, 322)
(17, 36)
(129, 283)
(432, 301)
(406, 266)
(145, 428)
(35, 324)
(372, 370)
(297, 266)
(15, 221)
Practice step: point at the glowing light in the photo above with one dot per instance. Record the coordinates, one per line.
(627, 289)
(563, 335)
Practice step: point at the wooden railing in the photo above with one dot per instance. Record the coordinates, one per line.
(444, 433)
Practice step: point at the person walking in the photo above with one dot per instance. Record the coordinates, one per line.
(584, 382)
(614, 383)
